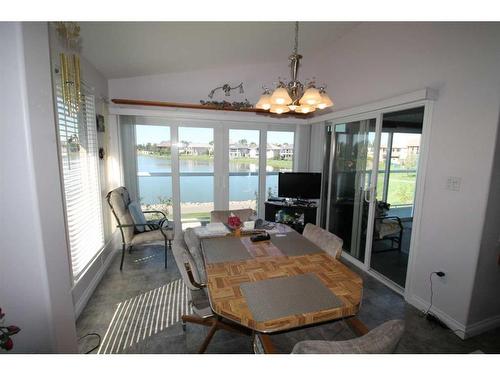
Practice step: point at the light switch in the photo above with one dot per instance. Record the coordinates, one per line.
(453, 183)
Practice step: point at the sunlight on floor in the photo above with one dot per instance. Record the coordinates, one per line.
(144, 315)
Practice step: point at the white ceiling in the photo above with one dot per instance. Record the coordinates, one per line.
(128, 49)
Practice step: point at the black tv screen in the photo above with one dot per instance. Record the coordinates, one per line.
(299, 185)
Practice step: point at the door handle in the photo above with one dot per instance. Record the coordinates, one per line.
(369, 190)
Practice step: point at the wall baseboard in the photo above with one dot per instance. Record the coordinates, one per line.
(111, 250)
(482, 326)
(458, 328)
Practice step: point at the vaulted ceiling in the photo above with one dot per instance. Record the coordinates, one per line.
(127, 49)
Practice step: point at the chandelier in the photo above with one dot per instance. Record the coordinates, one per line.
(291, 96)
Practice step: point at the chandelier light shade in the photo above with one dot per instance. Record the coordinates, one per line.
(325, 101)
(281, 97)
(311, 97)
(291, 96)
(305, 108)
(279, 109)
(264, 102)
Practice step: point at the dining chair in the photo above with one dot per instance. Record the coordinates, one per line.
(325, 240)
(383, 339)
(189, 260)
(221, 216)
(133, 232)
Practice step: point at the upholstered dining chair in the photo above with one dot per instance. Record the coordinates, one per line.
(382, 340)
(327, 241)
(221, 216)
(134, 228)
(189, 260)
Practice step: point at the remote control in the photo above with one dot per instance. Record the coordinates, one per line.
(260, 237)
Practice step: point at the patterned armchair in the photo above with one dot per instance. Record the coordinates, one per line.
(134, 233)
(325, 240)
(189, 260)
(382, 340)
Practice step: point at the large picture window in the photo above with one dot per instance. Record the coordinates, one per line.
(188, 170)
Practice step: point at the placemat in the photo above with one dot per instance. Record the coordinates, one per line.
(293, 244)
(283, 296)
(261, 248)
(224, 249)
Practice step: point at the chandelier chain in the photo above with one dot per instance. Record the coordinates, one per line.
(296, 45)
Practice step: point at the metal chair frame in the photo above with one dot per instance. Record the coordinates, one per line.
(149, 225)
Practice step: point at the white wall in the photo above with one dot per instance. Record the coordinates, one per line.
(35, 288)
(191, 87)
(462, 61)
(485, 310)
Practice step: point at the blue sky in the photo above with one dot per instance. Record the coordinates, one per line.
(157, 134)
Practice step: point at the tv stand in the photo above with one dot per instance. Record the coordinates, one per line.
(301, 202)
(295, 209)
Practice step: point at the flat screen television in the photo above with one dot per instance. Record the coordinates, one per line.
(299, 185)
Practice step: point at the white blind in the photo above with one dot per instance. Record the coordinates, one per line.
(80, 168)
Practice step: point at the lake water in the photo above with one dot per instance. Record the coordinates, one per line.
(243, 186)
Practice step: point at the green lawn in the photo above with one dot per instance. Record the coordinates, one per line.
(197, 215)
(401, 188)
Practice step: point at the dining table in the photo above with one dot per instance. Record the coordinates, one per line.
(284, 283)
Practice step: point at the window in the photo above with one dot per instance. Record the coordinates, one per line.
(80, 170)
(154, 168)
(279, 158)
(175, 166)
(403, 169)
(243, 168)
(196, 169)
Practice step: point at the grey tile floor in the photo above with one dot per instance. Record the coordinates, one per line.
(143, 271)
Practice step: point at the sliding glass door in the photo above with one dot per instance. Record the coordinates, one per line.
(372, 187)
(351, 181)
(397, 181)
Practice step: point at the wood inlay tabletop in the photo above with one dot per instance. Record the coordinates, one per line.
(227, 300)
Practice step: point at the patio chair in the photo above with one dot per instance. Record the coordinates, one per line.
(325, 240)
(387, 227)
(189, 260)
(382, 340)
(221, 216)
(138, 233)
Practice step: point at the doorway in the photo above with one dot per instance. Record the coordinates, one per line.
(374, 163)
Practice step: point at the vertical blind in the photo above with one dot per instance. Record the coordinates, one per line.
(80, 169)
